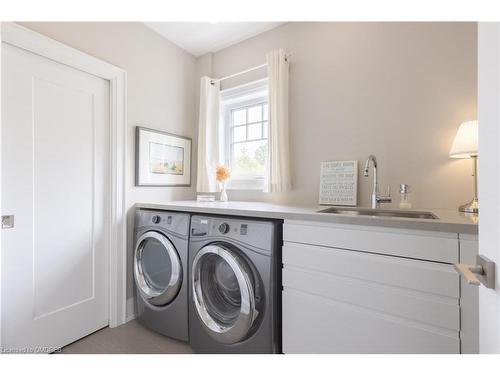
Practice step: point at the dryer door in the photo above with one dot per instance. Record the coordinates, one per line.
(223, 293)
(157, 268)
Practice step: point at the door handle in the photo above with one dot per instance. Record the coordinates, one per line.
(7, 221)
(481, 273)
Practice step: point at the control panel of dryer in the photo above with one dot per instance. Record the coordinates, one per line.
(260, 234)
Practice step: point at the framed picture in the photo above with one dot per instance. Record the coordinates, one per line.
(339, 183)
(161, 159)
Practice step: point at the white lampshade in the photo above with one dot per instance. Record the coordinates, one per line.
(466, 140)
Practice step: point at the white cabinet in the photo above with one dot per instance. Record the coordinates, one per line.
(434, 246)
(349, 289)
(469, 299)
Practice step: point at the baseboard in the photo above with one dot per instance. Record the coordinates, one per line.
(130, 314)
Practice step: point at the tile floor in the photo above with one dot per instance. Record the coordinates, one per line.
(130, 338)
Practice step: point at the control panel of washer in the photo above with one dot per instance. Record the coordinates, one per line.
(176, 222)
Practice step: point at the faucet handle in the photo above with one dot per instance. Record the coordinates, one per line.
(385, 198)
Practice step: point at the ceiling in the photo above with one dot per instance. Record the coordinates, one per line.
(199, 38)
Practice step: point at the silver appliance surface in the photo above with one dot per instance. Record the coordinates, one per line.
(160, 269)
(234, 285)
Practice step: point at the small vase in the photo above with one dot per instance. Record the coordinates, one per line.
(223, 194)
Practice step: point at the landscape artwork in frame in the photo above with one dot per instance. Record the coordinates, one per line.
(162, 159)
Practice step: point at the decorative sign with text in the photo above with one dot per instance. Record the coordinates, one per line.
(339, 183)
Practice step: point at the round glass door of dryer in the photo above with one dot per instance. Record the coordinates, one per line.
(157, 268)
(223, 293)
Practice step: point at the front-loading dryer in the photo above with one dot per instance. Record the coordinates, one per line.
(235, 286)
(160, 270)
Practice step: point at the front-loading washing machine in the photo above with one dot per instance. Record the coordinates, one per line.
(161, 271)
(235, 285)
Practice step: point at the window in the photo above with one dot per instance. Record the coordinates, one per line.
(245, 124)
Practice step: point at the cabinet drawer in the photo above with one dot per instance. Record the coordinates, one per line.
(412, 275)
(313, 324)
(440, 247)
(399, 303)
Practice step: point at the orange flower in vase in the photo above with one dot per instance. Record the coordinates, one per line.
(222, 174)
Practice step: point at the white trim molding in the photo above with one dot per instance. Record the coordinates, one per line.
(31, 41)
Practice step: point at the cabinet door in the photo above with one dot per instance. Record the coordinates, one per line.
(313, 324)
(344, 301)
(469, 299)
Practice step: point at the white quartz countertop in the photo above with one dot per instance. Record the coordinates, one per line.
(448, 220)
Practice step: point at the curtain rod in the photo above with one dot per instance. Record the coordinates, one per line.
(243, 72)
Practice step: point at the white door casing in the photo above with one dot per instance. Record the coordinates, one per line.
(115, 82)
(489, 178)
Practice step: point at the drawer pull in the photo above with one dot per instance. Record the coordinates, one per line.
(482, 272)
(469, 272)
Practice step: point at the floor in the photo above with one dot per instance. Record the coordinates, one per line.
(129, 338)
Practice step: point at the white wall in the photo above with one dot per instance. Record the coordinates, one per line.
(162, 89)
(397, 90)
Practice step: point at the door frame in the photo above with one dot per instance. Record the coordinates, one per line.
(41, 45)
(489, 156)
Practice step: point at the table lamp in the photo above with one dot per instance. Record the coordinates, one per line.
(465, 147)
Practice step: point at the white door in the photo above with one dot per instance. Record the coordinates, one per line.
(489, 179)
(55, 181)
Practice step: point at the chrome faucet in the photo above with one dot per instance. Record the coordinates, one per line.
(376, 198)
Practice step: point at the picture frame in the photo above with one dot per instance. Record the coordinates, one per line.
(339, 183)
(161, 158)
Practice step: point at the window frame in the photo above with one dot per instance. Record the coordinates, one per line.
(248, 95)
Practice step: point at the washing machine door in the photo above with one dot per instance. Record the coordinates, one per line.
(223, 293)
(157, 268)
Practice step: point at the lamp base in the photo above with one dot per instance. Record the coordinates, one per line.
(472, 207)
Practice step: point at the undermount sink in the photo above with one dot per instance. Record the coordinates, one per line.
(378, 212)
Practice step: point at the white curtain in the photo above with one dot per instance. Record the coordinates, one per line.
(208, 135)
(279, 179)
